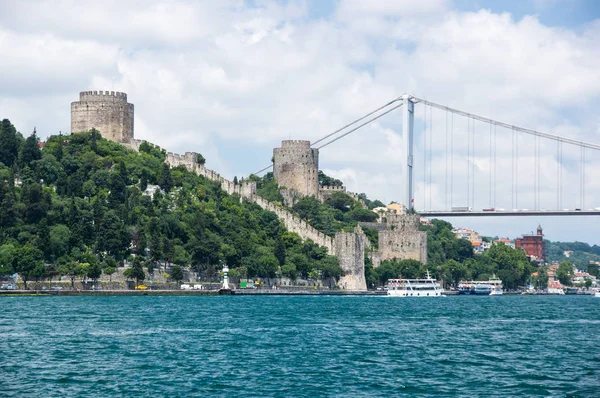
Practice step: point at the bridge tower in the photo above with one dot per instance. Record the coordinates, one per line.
(406, 168)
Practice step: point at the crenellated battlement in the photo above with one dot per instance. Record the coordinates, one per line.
(349, 247)
(295, 144)
(101, 95)
(106, 111)
(332, 188)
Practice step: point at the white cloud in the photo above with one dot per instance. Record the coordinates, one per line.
(217, 76)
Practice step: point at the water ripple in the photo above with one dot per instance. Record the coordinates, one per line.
(299, 346)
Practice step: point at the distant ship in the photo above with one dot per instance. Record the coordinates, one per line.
(466, 288)
(427, 287)
(492, 287)
(495, 285)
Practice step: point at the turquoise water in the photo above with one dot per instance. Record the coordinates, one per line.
(299, 346)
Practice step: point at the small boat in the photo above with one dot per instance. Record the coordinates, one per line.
(496, 286)
(597, 294)
(466, 288)
(427, 287)
(482, 289)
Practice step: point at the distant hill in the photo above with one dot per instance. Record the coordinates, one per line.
(582, 254)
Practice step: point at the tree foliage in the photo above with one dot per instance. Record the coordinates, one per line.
(81, 202)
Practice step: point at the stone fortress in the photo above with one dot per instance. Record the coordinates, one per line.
(106, 111)
(296, 169)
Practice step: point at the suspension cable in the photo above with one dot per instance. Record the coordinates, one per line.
(346, 126)
(356, 121)
(446, 158)
(451, 159)
(430, 152)
(517, 171)
(508, 126)
(424, 157)
(468, 162)
(361, 125)
(473, 162)
(495, 173)
(490, 169)
(512, 174)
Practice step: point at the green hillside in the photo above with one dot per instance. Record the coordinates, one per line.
(78, 206)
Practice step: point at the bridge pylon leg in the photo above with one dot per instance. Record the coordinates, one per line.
(406, 172)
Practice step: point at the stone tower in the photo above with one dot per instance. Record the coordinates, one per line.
(106, 111)
(296, 166)
(349, 247)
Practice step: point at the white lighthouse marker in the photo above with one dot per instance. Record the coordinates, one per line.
(225, 278)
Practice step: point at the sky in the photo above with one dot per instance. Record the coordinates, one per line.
(231, 79)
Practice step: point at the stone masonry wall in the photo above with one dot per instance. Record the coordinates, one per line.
(348, 247)
(400, 239)
(247, 190)
(106, 111)
(296, 166)
(403, 222)
(403, 245)
(325, 192)
(350, 250)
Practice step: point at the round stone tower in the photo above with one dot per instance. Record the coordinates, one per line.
(106, 111)
(296, 166)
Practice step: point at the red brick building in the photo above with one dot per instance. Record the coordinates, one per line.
(532, 245)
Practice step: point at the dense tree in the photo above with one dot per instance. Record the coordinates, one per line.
(7, 256)
(109, 271)
(165, 179)
(30, 151)
(177, 273)
(9, 143)
(89, 211)
(137, 271)
(325, 180)
(565, 273)
(27, 262)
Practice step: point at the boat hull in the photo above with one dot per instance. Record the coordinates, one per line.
(408, 293)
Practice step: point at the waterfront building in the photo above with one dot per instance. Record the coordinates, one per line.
(506, 242)
(532, 245)
(468, 234)
(396, 208)
(392, 208)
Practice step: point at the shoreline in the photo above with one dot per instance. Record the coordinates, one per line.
(237, 292)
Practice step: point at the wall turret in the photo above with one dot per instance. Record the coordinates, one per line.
(106, 111)
(296, 166)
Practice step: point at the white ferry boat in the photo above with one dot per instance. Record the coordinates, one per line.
(495, 286)
(427, 287)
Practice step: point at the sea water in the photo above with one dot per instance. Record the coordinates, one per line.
(131, 346)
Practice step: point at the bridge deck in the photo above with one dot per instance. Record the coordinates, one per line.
(509, 213)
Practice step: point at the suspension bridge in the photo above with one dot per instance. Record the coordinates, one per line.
(537, 169)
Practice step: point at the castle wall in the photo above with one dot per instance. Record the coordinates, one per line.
(399, 238)
(350, 251)
(247, 190)
(403, 245)
(296, 166)
(348, 247)
(375, 258)
(375, 225)
(326, 192)
(403, 222)
(106, 111)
